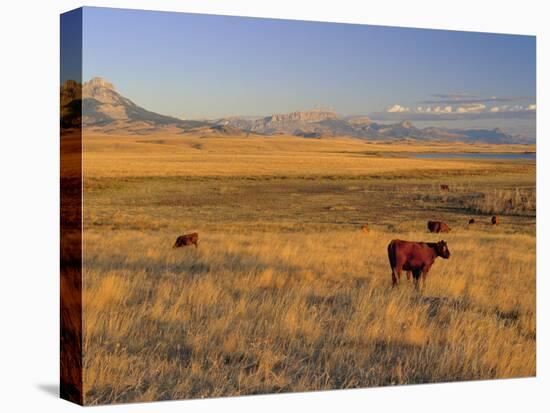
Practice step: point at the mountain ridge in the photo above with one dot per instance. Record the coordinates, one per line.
(104, 108)
(364, 128)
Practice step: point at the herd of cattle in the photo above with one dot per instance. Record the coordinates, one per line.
(440, 226)
(415, 258)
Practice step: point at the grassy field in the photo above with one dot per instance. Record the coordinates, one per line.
(285, 292)
(159, 155)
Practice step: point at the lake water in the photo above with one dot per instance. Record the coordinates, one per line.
(479, 155)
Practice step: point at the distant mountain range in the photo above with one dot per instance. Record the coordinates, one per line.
(105, 109)
(318, 124)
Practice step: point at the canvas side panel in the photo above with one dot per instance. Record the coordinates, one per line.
(71, 206)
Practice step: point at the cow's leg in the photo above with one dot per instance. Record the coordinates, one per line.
(416, 276)
(425, 271)
(409, 274)
(395, 276)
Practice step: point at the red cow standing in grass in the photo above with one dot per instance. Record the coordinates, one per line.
(188, 239)
(415, 257)
(438, 226)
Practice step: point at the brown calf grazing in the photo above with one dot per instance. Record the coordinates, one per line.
(438, 226)
(444, 187)
(472, 221)
(415, 257)
(188, 239)
(495, 220)
(365, 229)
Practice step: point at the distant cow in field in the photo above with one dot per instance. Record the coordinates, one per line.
(188, 239)
(438, 226)
(471, 221)
(365, 229)
(495, 220)
(444, 187)
(415, 257)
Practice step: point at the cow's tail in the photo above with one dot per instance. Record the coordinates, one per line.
(391, 254)
(393, 262)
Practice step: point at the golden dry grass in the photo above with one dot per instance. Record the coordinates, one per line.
(181, 155)
(263, 312)
(506, 201)
(285, 292)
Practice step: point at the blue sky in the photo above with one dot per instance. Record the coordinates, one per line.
(205, 66)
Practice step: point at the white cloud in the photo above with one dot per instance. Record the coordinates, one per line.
(474, 107)
(443, 109)
(468, 108)
(398, 108)
(461, 110)
(515, 108)
(477, 108)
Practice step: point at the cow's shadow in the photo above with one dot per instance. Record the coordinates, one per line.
(435, 304)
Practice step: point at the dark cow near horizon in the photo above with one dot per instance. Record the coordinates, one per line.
(438, 226)
(495, 220)
(472, 221)
(415, 257)
(188, 239)
(444, 187)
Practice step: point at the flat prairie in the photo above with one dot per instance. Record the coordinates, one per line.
(285, 291)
